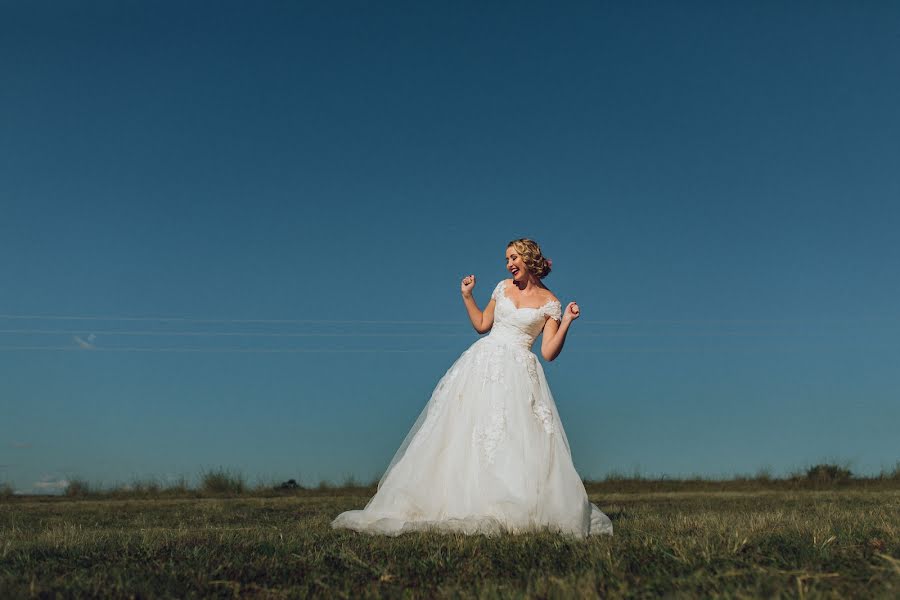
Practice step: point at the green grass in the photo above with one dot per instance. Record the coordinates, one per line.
(694, 543)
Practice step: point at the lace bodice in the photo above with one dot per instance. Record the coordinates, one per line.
(520, 326)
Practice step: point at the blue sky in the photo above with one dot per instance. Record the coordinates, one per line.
(232, 235)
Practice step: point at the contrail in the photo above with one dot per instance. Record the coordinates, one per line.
(83, 343)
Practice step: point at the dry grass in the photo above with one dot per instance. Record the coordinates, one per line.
(833, 543)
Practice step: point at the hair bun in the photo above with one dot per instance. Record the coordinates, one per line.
(531, 254)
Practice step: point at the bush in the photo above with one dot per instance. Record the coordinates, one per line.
(178, 486)
(149, 487)
(77, 487)
(763, 475)
(6, 490)
(893, 474)
(826, 473)
(221, 481)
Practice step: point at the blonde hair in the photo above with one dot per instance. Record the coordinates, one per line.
(531, 255)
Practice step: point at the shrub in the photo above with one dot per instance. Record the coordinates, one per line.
(893, 474)
(149, 487)
(763, 475)
(826, 473)
(77, 487)
(178, 486)
(221, 481)
(6, 490)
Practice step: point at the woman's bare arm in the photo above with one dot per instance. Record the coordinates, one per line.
(482, 321)
(554, 335)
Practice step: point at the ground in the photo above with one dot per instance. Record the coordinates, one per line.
(834, 543)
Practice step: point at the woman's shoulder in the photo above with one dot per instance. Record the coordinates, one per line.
(550, 296)
(500, 287)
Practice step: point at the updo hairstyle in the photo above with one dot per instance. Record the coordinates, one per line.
(531, 255)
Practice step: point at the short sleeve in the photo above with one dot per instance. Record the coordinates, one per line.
(553, 310)
(498, 290)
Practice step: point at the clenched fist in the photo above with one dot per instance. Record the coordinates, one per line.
(468, 282)
(572, 311)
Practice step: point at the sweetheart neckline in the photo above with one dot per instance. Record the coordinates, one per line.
(508, 299)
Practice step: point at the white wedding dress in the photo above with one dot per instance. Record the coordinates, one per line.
(488, 453)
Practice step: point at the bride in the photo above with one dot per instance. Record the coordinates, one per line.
(488, 453)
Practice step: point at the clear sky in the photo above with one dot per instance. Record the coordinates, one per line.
(232, 234)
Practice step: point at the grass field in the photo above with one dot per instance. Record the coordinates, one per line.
(678, 541)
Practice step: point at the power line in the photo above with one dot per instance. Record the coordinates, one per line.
(129, 332)
(223, 350)
(626, 350)
(221, 333)
(223, 321)
(177, 319)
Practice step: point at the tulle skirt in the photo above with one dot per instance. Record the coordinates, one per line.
(488, 454)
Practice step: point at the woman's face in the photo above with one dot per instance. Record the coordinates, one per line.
(515, 265)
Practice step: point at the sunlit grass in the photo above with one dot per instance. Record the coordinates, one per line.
(838, 542)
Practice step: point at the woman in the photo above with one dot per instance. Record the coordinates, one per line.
(488, 453)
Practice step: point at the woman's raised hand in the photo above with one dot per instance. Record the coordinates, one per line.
(468, 282)
(572, 311)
